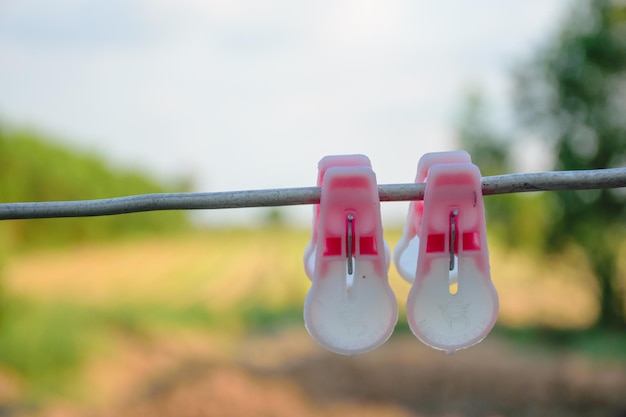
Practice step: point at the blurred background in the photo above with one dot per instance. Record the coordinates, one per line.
(194, 314)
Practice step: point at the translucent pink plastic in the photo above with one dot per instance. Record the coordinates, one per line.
(323, 165)
(405, 252)
(349, 313)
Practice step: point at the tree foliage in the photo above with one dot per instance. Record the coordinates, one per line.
(572, 94)
(575, 92)
(33, 168)
(491, 151)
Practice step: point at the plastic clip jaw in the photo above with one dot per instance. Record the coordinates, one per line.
(440, 319)
(350, 313)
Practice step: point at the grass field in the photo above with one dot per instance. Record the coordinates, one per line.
(225, 269)
(91, 329)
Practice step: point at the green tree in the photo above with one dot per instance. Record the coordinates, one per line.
(491, 151)
(574, 94)
(488, 147)
(34, 168)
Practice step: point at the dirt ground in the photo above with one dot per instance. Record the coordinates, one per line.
(286, 374)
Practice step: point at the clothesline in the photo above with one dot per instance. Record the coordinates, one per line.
(500, 184)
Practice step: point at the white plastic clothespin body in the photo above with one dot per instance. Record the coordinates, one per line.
(350, 307)
(452, 233)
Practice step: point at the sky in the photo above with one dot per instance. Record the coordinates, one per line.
(251, 94)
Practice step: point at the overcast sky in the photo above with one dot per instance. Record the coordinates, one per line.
(251, 94)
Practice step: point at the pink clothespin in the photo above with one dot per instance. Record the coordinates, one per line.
(452, 232)
(325, 163)
(350, 307)
(405, 252)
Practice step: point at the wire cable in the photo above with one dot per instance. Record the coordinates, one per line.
(501, 184)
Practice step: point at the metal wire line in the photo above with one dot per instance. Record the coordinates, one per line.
(501, 184)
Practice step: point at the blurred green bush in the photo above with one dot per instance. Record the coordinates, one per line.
(34, 168)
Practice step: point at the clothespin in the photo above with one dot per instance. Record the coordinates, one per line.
(325, 163)
(350, 307)
(405, 252)
(452, 232)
